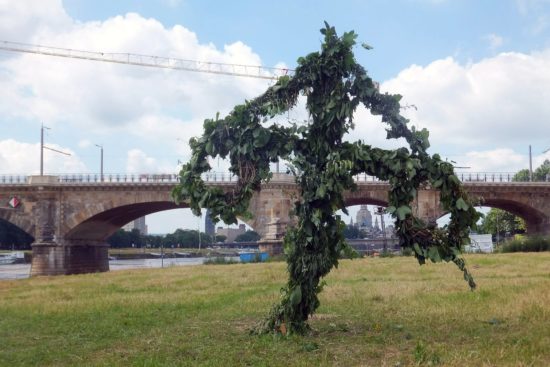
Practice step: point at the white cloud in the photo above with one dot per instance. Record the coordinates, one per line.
(91, 93)
(495, 41)
(497, 160)
(23, 158)
(497, 102)
(21, 20)
(139, 162)
(102, 99)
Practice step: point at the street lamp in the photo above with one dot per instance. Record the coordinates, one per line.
(547, 175)
(42, 147)
(101, 164)
(380, 211)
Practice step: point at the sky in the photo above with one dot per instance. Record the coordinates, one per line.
(478, 74)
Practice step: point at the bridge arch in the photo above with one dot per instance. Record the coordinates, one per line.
(21, 221)
(100, 226)
(376, 194)
(534, 219)
(14, 237)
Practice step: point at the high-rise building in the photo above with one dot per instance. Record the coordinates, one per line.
(231, 233)
(209, 227)
(364, 217)
(138, 224)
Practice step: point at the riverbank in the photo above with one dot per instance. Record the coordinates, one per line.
(375, 311)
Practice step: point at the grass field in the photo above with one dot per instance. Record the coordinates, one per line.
(375, 312)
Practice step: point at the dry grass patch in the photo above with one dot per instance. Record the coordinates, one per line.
(378, 312)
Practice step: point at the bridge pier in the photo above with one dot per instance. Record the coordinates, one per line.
(50, 258)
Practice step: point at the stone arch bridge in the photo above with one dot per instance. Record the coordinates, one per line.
(71, 218)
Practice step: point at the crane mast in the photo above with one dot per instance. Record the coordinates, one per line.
(261, 72)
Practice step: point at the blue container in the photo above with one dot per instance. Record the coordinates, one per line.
(248, 257)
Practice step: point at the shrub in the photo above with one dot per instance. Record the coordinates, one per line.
(219, 260)
(527, 244)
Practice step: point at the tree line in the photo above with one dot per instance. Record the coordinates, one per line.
(14, 238)
(183, 238)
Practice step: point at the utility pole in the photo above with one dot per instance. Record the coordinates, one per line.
(530, 165)
(199, 230)
(42, 149)
(101, 164)
(498, 234)
(380, 212)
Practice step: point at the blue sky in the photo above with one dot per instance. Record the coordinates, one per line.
(478, 72)
(402, 32)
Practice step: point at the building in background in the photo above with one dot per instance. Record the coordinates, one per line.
(138, 224)
(231, 233)
(363, 218)
(209, 227)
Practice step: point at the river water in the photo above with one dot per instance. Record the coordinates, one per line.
(22, 271)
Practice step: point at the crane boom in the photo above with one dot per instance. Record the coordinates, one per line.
(251, 71)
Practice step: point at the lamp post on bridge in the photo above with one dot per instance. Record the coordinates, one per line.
(547, 175)
(42, 147)
(101, 164)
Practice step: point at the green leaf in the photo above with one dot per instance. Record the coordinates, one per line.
(403, 211)
(433, 254)
(461, 204)
(321, 191)
(209, 148)
(296, 295)
(261, 138)
(417, 249)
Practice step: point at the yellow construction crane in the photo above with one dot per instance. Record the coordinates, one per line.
(250, 71)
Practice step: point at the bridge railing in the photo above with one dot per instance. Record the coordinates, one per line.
(142, 178)
(493, 177)
(13, 179)
(118, 178)
(229, 177)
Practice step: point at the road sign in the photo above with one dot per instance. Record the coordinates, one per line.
(14, 202)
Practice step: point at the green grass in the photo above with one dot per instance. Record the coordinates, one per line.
(375, 312)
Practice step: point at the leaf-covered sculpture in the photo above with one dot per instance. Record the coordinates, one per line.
(334, 85)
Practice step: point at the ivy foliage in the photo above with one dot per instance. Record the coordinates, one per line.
(334, 85)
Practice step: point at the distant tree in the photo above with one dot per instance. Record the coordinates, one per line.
(136, 238)
(119, 239)
(153, 240)
(248, 236)
(352, 232)
(521, 176)
(542, 173)
(186, 238)
(220, 238)
(503, 222)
